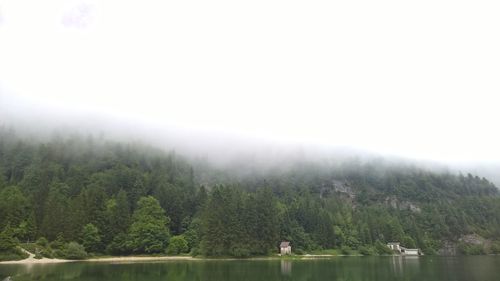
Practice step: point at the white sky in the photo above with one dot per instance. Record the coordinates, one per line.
(413, 78)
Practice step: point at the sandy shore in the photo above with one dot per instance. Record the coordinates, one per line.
(125, 259)
(139, 259)
(35, 261)
(31, 260)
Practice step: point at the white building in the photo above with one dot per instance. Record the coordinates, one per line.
(285, 248)
(410, 252)
(396, 247)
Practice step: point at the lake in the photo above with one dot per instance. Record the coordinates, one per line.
(481, 268)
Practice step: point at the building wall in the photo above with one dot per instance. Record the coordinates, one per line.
(286, 250)
(411, 252)
(394, 247)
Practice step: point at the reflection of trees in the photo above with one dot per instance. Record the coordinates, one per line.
(31, 272)
(338, 269)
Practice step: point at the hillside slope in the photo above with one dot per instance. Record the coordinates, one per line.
(111, 197)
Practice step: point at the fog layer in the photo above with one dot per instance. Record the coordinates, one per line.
(222, 78)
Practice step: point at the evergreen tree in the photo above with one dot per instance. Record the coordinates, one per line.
(55, 211)
(117, 216)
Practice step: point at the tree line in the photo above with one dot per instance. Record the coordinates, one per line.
(84, 195)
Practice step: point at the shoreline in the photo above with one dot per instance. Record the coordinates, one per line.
(126, 259)
(140, 258)
(32, 260)
(130, 259)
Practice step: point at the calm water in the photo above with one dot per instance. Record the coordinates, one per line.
(481, 268)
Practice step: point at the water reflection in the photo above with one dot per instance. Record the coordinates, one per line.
(349, 268)
(402, 265)
(286, 267)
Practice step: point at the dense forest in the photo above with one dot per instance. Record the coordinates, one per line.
(78, 195)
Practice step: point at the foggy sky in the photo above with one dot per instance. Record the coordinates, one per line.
(414, 79)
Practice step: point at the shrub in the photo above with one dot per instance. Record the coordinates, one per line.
(32, 248)
(495, 248)
(195, 252)
(240, 252)
(367, 251)
(7, 241)
(177, 245)
(12, 254)
(57, 244)
(382, 249)
(42, 241)
(47, 253)
(298, 251)
(344, 250)
(470, 249)
(74, 251)
(429, 251)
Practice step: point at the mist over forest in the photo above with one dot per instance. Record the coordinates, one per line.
(108, 192)
(236, 154)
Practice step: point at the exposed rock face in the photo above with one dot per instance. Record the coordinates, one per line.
(342, 187)
(402, 205)
(472, 239)
(450, 248)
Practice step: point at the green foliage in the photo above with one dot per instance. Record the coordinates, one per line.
(41, 248)
(177, 245)
(12, 255)
(471, 249)
(408, 242)
(382, 249)
(367, 250)
(15, 211)
(237, 224)
(74, 251)
(7, 240)
(345, 250)
(117, 216)
(42, 241)
(55, 211)
(495, 248)
(149, 230)
(193, 233)
(119, 245)
(60, 187)
(57, 244)
(91, 239)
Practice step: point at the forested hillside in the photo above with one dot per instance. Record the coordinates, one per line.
(120, 198)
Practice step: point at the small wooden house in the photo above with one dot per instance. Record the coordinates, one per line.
(285, 248)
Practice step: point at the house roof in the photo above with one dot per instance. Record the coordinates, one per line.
(284, 244)
(393, 243)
